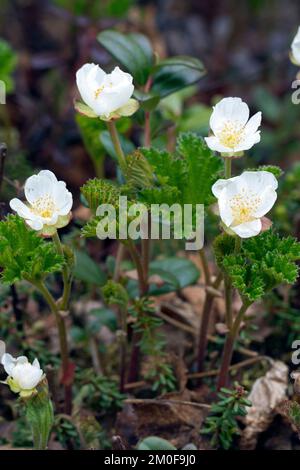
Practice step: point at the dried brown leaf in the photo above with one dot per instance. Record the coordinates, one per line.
(266, 394)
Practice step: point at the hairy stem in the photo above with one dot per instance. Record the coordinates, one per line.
(143, 289)
(147, 129)
(147, 135)
(67, 279)
(117, 145)
(202, 339)
(136, 258)
(119, 259)
(227, 162)
(63, 342)
(238, 244)
(123, 349)
(205, 266)
(229, 346)
(228, 301)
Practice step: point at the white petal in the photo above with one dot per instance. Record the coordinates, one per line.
(257, 181)
(224, 208)
(27, 376)
(35, 224)
(20, 208)
(268, 198)
(113, 98)
(218, 187)
(36, 363)
(248, 229)
(248, 142)
(21, 360)
(117, 76)
(51, 220)
(296, 46)
(39, 185)
(253, 123)
(63, 198)
(214, 144)
(229, 109)
(88, 78)
(8, 363)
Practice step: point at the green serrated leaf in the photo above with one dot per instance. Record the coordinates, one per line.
(264, 262)
(275, 170)
(24, 254)
(203, 168)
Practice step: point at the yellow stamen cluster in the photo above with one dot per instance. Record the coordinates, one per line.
(231, 135)
(99, 91)
(44, 206)
(101, 88)
(243, 206)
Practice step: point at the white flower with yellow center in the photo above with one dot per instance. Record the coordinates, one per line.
(244, 200)
(23, 377)
(48, 204)
(106, 95)
(295, 55)
(233, 131)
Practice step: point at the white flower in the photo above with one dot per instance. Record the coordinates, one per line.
(296, 48)
(244, 200)
(48, 203)
(233, 130)
(107, 96)
(23, 377)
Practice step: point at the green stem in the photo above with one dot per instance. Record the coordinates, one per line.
(238, 245)
(227, 162)
(63, 342)
(117, 145)
(147, 135)
(205, 266)
(229, 346)
(147, 128)
(143, 289)
(136, 258)
(202, 341)
(228, 301)
(39, 414)
(119, 258)
(123, 348)
(67, 279)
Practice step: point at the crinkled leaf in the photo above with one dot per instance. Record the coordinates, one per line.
(25, 255)
(203, 168)
(275, 170)
(264, 262)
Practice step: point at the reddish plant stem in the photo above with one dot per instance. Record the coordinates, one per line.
(147, 130)
(142, 267)
(63, 342)
(203, 340)
(229, 346)
(123, 349)
(136, 337)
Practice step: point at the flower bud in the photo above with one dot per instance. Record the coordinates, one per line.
(23, 377)
(107, 96)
